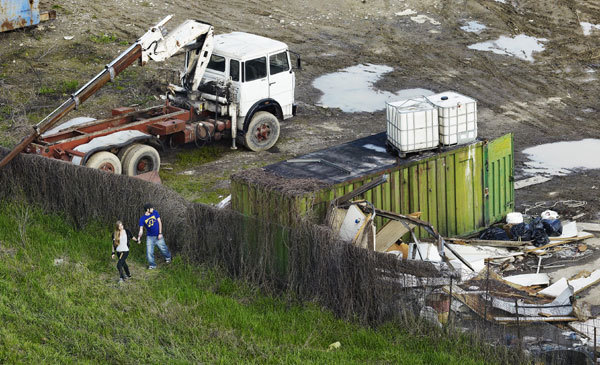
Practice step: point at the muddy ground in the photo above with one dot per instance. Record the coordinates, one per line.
(551, 99)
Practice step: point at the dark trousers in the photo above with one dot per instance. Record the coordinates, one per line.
(122, 265)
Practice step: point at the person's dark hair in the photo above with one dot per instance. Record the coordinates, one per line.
(148, 206)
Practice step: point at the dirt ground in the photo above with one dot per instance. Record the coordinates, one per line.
(551, 99)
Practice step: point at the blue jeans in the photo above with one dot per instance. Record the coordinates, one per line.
(152, 241)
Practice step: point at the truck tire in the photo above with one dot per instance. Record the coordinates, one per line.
(262, 133)
(125, 151)
(141, 159)
(105, 161)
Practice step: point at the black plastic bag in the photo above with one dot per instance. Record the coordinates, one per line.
(533, 231)
(553, 227)
(521, 232)
(494, 233)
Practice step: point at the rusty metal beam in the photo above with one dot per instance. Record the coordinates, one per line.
(111, 70)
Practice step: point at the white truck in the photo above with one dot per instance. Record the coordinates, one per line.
(235, 85)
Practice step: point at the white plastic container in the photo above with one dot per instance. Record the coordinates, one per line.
(412, 125)
(457, 117)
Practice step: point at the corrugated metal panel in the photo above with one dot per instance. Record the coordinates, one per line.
(447, 188)
(499, 182)
(18, 14)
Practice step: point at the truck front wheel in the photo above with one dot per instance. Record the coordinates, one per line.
(141, 159)
(262, 133)
(105, 161)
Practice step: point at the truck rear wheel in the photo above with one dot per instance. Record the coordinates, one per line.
(262, 133)
(141, 159)
(125, 151)
(105, 161)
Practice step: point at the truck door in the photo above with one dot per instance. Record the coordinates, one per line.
(281, 81)
(255, 85)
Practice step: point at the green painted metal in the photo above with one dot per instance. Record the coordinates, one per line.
(459, 191)
(499, 182)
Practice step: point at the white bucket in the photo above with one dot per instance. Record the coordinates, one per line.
(514, 218)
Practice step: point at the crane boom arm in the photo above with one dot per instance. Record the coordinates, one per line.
(152, 45)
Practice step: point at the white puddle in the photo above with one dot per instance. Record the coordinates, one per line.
(521, 46)
(351, 89)
(406, 12)
(473, 27)
(588, 27)
(562, 158)
(501, 1)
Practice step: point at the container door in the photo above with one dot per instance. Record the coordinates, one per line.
(499, 189)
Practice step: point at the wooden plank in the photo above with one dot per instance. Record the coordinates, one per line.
(389, 234)
(492, 243)
(558, 243)
(592, 227)
(404, 192)
(395, 191)
(422, 190)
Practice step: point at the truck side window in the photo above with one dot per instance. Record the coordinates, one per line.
(216, 63)
(234, 70)
(256, 69)
(279, 63)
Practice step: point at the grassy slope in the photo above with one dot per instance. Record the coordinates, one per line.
(75, 311)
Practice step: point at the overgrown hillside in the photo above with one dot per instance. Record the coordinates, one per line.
(60, 302)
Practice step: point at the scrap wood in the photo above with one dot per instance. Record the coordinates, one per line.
(492, 243)
(580, 236)
(390, 234)
(558, 243)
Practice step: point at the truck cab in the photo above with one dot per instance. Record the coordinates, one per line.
(260, 81)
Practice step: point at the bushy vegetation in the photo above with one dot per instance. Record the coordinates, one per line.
(60, 302)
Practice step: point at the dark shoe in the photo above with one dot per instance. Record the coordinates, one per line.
(168, 261)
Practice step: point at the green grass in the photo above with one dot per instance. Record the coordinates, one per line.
(74, 311)
(197, 188)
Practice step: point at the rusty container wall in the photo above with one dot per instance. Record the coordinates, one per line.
(451, 189)
(18, 14)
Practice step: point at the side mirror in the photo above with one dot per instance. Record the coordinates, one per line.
(298, 59)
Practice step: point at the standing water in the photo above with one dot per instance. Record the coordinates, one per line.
(562, 158)
(351, 89)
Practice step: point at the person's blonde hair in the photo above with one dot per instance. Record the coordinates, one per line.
(116, 234)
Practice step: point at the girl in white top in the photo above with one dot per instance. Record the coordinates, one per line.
(121, 237)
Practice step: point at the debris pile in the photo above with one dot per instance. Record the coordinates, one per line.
(528, 270)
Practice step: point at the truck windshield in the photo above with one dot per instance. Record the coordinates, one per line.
(216, 63)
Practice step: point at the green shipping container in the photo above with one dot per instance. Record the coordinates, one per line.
(459, 189)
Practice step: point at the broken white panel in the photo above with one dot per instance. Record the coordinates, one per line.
(561, 306)
(555, 289)
(429, 252)
(465, 272)
(534, 180)
(113, 139)
(75, 122)
(474, 253)
(578, 285)
(353, 221)
(569, 230)
(528, 279)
